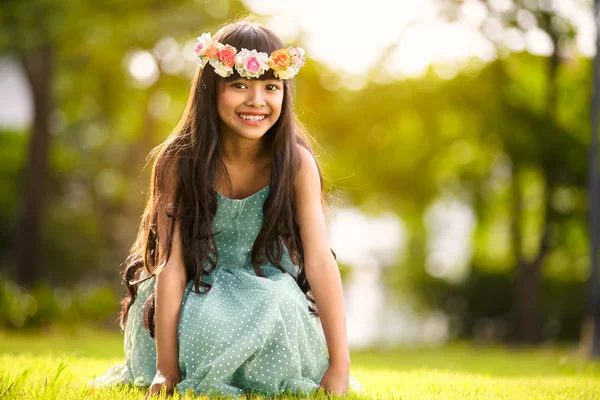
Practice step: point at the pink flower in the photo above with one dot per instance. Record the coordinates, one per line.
(227, 55)
(297, 54)
(252, 64)
(198, 47)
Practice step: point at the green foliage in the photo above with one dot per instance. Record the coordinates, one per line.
(47, 307)
(482, 306)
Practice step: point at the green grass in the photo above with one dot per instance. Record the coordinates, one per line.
(58, 367)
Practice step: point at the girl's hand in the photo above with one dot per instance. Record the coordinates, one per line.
(168, 382)
(336, 380)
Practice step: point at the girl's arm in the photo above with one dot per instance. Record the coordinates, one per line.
(170, 285)
(169, 289)
(322, 271)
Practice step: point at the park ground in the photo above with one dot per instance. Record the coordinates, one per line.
(58, 366)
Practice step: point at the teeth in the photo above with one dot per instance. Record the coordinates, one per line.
(252, 117)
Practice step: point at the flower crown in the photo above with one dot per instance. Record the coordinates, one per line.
(285, 63)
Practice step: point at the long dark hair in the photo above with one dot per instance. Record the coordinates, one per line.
(182, 188)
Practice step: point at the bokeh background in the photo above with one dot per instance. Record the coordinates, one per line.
(453, 136)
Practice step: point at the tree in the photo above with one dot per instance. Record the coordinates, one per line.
(593, 287)
(28, 37)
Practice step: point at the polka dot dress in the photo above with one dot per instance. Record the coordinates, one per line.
(247, 334)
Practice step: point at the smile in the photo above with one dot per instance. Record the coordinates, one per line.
(251, 119)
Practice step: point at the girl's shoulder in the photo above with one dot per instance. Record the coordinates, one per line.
(308, 173)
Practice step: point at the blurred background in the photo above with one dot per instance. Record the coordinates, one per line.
(453, 136)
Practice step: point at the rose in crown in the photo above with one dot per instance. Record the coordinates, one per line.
(223, 60)
(251, 63)
(285, 63)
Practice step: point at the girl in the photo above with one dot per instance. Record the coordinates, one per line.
(233, 244)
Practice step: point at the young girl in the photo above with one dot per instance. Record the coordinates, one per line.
(233, 244)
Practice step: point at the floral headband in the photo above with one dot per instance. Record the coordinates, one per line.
(285, 63)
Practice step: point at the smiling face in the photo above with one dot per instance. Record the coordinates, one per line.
(249, 107)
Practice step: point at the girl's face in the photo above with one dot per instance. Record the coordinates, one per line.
(249, 107)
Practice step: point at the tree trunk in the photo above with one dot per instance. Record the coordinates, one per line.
(527, 287)
(527, 281)
(38, 68)
(528, 276)
(590, 337)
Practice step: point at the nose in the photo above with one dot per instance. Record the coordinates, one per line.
(256, 96)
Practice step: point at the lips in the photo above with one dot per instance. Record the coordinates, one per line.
(252, 118)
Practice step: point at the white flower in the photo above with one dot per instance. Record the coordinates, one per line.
(287, 73)
(251, 64)
(220, 68)
(201, 61)
(203, 40)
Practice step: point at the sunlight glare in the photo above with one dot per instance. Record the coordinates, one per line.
(538, 42)
(473, 13)
(142, 67)
(352, 37)
(513, 39)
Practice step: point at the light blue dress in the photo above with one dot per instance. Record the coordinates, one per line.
(247, 334)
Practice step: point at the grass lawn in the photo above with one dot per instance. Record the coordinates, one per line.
(58, 367)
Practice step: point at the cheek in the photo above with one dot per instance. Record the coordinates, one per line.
(225, 102)
(276, 106)
(221, 108)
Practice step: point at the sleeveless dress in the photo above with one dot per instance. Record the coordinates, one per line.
(247, 335)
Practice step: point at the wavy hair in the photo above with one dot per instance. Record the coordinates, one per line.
(182, 191)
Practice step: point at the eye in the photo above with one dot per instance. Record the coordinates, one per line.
(238, 85)
(272, 87)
